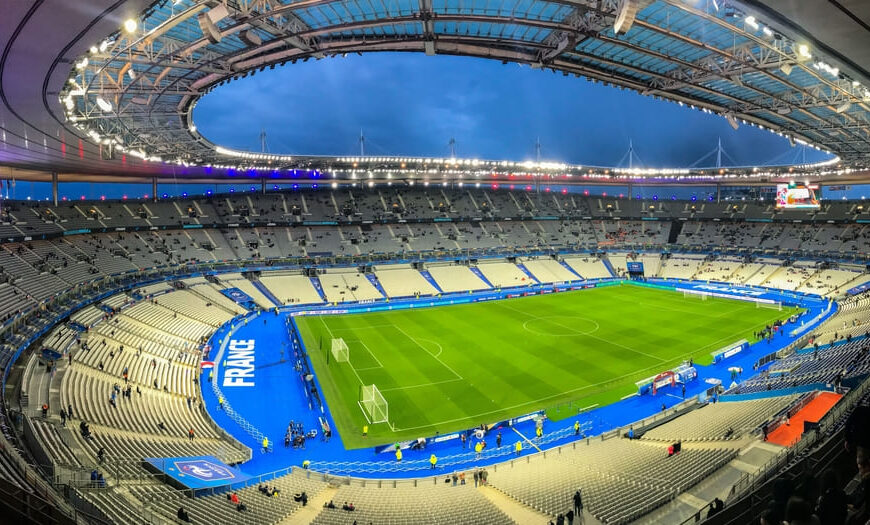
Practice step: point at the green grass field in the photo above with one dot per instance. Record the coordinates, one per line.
(448, 368)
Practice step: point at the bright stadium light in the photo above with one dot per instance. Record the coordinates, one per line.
(104, 104)
(751, 22)
(130, 25)
(804, 51)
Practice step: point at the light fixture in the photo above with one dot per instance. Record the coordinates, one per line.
(104, 45)
(751, 22)
(804, 51)
(130, 25)
(104, 104)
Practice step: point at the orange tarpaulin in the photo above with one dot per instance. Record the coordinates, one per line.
(787, 435)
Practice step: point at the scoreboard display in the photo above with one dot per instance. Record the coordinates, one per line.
(635, 268)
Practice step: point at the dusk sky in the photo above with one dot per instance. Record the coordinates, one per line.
(412, 104)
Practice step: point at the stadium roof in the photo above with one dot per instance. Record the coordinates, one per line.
(105, 89)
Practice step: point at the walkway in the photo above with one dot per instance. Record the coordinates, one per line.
(523, 514)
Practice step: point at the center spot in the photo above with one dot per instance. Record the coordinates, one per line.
(561, 325)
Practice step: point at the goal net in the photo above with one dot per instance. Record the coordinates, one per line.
(339, 350)
(775, 305)
(695, 295)
(373, 404)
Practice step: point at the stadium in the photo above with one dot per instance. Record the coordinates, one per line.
(404, 339)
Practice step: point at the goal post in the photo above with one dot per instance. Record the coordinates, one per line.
(773, 305)
(695, 295)
(374, 406)
(340, 352)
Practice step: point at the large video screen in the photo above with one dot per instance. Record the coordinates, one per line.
(796, 196)
(635, 267)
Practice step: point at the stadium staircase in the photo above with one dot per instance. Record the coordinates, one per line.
(306, 514)
(609, 266)
(526, 271)
(316, 283)
(377, 284)
(676, 228)
(519, 512)
(428, 276)
(572, 270)
(476, 271)
(269, 295)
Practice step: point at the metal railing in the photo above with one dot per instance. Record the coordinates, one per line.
(835, 416)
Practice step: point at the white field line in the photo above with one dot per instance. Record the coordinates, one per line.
(428, 352)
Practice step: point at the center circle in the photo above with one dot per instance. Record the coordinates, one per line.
(561, 325)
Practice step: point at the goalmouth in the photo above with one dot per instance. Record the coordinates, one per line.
(339, 350)
(373, 404)
(695, 295)
(773, 305)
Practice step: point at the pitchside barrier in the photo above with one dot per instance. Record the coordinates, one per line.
(730, 350)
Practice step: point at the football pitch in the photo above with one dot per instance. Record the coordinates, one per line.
(448, 368)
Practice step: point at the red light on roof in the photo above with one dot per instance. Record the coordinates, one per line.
(604, 194)
(547, 189)
(512, 186)
(124, 197)
(564, 191)
(82, 197)
(102, 197)
(586, 192)
(495, 186)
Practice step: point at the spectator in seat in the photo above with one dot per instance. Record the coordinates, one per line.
(799, 512)
(832, 505)
(182, 515)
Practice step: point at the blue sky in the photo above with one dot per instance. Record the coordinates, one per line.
(412, 104)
